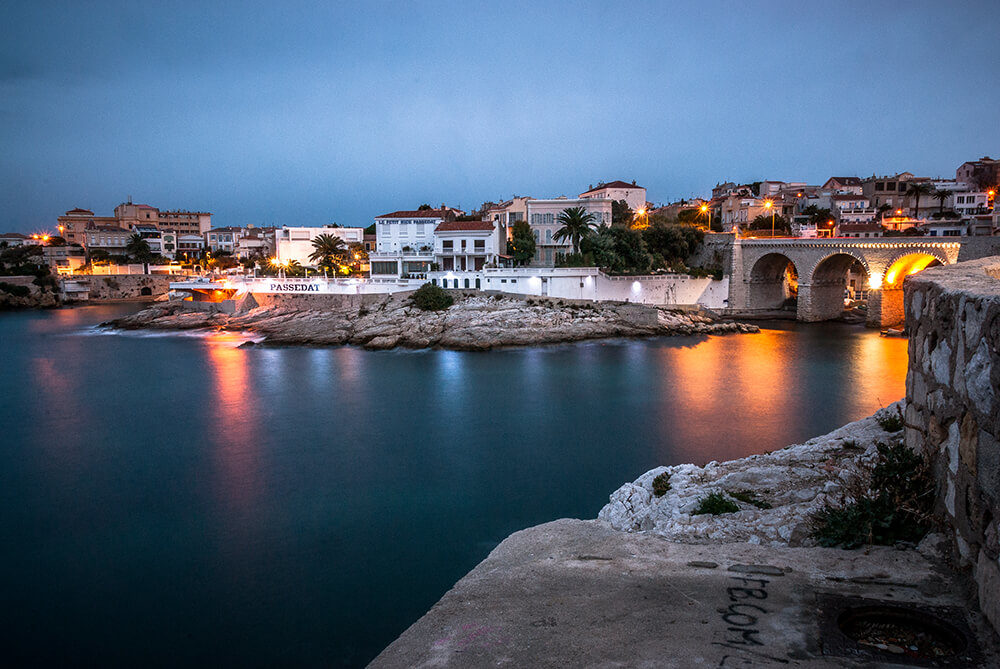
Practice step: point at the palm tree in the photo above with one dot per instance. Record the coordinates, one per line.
(941, 195)
(329, 251)
(917, 189)
(138, 248)
(576, 224)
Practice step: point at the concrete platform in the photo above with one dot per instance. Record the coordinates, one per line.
(579, 594)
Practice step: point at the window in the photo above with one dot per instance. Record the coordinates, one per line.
(466, 283)
(879, 185)
(535, 233)
(448, 245)
(463, 249)
(536, 219)
(548, 236)
(480, 244)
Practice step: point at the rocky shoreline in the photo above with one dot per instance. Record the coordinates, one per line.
(474, 323)
(793, 483)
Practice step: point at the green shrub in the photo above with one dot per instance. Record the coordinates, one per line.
(749, 497)
(892, 503)
(890, 422)
(661, 484)
(432, 298)
(715, 503)
(14, 289)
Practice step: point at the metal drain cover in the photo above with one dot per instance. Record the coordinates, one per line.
(896, 632)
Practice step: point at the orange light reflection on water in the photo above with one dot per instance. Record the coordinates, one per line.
(235, 433)
(719, 391)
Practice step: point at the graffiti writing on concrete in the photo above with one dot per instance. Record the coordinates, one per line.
(742, 617)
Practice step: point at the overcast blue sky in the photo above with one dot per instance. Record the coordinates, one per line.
(308, 113)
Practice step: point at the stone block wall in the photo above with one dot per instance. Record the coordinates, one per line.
(953, 407)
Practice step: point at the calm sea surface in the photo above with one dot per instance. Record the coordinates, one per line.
(172, 499)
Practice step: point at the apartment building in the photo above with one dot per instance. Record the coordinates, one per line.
(296, 243)
(74, 222)
(543, 217)
(633, 195)
(469, 245)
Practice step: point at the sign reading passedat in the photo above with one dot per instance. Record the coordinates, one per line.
(293, 287)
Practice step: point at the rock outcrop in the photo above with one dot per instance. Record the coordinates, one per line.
(36, 299)
(477, 322)
(795, 482)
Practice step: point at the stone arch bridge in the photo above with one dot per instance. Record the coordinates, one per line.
(766, 273)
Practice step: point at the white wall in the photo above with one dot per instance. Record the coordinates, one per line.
(295, 243)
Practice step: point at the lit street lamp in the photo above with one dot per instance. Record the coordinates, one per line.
(770, 205)
(706, 209)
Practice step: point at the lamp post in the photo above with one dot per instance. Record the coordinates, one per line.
(706, 209)
(770, 205)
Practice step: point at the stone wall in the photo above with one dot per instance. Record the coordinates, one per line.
(125, 286)
(953, 409)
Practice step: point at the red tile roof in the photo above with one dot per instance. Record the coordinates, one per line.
(420, 213)
(613, 184)
(454, 226)
(80, 211)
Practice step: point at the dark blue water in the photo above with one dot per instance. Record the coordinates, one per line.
(174, 500)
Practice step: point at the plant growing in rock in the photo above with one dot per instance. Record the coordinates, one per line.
(749, 497)
(891, 503)
(715, 503)
(661, 484)
(432, 298)
(889, 421)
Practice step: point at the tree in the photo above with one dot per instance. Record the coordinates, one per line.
(522, 243)
(817, 215)
(329, 252)
(941, 194)
(57, 241)
(99, 255)
(577, 223)
(916, 190)
(617, 249)
(764, 222)
(424, 207)
(672, 242)
(138, 248)
(370, 230)
(621, 214)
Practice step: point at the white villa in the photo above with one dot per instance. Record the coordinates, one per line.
(404, 243)
(296, 243)
(469, 245)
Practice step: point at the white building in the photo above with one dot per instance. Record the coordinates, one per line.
(12, 239)
(543, 218)
(634, 196)
(295, 243)
(469, 245)
(404, 244)
(852, 208)
(189, 246)
(971, 202)
(222, 239)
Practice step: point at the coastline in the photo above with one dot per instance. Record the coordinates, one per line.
(472, 323)
(647, 583)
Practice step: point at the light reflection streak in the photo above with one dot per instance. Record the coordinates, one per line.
(237, 455)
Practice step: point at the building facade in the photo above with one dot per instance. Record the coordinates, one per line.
(74, 222)
(296, 243)
(633, 195)
(404, 244)
(469, 245)
(543, 217)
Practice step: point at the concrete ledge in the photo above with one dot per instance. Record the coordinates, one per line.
(576, 593)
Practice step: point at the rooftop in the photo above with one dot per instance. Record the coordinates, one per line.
(455, 226)
(419, 213)
(612, 184)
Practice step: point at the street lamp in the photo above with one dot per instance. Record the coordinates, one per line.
(706, 209)
(770, 205)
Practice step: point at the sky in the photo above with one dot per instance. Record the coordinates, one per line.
(309, 113)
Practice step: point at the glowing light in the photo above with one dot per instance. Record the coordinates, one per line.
(704, 208)
(875, 280)
(905, 266)
(636, 287)
(768, 204)
(899, 212)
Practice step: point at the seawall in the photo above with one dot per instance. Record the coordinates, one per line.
(953, 409)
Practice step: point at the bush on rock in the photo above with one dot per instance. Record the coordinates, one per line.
(716, 503)
(432, 298)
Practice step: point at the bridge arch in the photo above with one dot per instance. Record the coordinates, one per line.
(903, 264)
(827, 284)
(772, 282)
